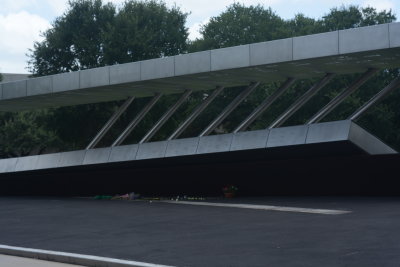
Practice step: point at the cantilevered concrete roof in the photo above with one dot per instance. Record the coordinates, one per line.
(344, 51)
(340, 137)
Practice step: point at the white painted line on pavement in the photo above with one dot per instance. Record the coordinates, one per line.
(72, 258)
(260, 207)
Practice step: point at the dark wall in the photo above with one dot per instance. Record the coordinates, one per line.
(253, 173)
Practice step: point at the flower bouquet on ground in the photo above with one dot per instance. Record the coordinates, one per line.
(229, 191)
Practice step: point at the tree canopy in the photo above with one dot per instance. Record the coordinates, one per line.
(92, 34)
(240, 24)
(353, 16)
(144, 30)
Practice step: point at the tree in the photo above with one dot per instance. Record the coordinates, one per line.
(24, 133)
(302, 25)
(75, 41)
(92, 34)
(240, 25)
(354, 16)
(144, 30)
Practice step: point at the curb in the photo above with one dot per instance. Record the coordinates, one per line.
(72, 258)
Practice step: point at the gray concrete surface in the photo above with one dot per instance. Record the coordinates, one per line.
(185, 235)
(345, 51)
(123, 153)
(249, 140)
(11, 77)
(394, 34)
(125, 73)
(14, 89)
(193, 63)
(71, 158)
(39, 86)
(12, 261)
(230, 57)
(328, 132)
(48, 161)
(287, 136)
(94, 77)
(96, 156)
(65, 82)
(367, 141)
(320, 133)
(271, 52)
(26, 163)
(317, 45)
(8, 165)
(152, 150)
(353, 40)
(182, 147)
(214, 143)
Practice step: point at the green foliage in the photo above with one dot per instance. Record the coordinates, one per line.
(240, 25)
(302, 25)
(92, 34)
(144, 30)
(353, 16)
(24, 133)
(1, 77)
(76, 40)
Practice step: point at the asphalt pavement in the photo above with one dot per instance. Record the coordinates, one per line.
(156, 232)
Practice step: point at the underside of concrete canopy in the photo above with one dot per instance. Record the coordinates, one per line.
(339, 52)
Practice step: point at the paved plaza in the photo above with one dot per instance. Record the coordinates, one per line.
(269, 231)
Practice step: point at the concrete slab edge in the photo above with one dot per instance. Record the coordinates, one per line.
(72, 258)
(368, 142)
(326, 132)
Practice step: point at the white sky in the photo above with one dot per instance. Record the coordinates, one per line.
(22, 21)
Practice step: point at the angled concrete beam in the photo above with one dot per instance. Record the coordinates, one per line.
(165, 117)
(110, 123)
(229, 109)
(264, 105)
(375, 99)
(136, 120)
(301, 101)
(341, 97)
(196, 113)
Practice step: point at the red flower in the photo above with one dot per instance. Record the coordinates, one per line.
(229, 188)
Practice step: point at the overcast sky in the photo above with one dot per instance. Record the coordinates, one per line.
(22, 21)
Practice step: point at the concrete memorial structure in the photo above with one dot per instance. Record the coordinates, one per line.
(362, 50)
